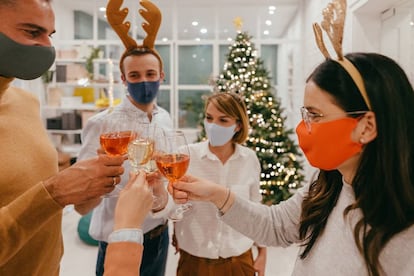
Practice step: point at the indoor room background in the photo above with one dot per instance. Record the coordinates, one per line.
(193, 41)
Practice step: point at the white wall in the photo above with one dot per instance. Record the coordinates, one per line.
(397, 39)
(64, 21)
(364, 31)
(363, 27)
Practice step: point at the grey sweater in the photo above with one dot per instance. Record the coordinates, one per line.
(335, 251)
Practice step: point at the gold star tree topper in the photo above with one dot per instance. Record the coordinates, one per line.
(238, 23)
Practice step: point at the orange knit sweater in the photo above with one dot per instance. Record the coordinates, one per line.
(30, 220)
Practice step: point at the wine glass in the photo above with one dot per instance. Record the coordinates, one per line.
(172, 159)
(116, 133)
(140, 154)
(141, 148)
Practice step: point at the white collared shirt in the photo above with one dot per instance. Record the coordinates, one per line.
(102, 220)
(201, 233)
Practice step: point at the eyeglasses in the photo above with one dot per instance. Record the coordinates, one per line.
(310, 117)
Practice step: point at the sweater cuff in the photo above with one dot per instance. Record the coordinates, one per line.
(127, 235)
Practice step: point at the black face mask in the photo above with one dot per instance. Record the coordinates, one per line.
(25, 62)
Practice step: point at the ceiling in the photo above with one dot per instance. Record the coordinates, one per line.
(263, 19)
(383, 5)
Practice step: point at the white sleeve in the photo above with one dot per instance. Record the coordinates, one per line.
(90, 138)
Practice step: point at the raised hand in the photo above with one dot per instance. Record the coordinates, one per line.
(86, 180)
(190, 187)
(134, 203)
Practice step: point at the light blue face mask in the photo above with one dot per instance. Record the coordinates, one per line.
(26, 62)
(143, 92)
(218, 135)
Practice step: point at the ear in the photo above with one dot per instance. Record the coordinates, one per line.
(162, 75)
(366, 128)
(123, 79)
(238, 127)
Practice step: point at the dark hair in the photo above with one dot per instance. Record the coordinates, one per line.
(384, 180)
(8, 3)
(139, 51)
(11, 3)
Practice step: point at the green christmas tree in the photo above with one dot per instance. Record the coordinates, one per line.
(245, 74)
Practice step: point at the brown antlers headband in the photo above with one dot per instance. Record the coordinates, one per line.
(152, 15)
(333, 24)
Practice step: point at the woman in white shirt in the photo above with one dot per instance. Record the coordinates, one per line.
(208, 246)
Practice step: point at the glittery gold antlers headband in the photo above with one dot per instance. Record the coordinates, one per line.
(151, 14)
(333, 24)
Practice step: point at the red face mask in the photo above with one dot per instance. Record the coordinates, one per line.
(329, 144)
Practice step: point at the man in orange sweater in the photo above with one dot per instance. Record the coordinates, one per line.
(32, 192)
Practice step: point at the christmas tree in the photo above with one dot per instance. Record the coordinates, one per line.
(244, 73)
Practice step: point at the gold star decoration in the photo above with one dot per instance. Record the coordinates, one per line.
(238, 23)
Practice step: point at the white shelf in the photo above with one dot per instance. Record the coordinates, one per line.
(64, 131)
(70, 60)
(91, 84)
(72, 149)
(91, 107)
(83, 60)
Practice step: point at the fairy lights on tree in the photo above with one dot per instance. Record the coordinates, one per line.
(244, 73)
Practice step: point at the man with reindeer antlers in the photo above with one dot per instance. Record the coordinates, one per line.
(141, 72)
(357, 217)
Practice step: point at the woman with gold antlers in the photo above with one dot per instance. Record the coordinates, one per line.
(357, 217)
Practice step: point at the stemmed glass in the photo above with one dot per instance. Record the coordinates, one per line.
(172, 159)
(116, 133)
(140, 153)
(141, 148)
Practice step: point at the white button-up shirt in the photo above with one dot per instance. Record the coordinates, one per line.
(201, 233)
(102, 220)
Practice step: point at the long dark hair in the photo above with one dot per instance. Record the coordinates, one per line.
(384, 180)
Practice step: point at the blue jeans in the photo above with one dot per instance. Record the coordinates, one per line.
(154, 258)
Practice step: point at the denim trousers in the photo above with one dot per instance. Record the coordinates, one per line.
(154, 257)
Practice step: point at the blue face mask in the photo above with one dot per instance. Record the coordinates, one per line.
(218, 135)
(143, 92)
(26, 62)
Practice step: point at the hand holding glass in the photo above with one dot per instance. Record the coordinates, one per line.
(172, 159)
(141, 148)
(115, 135)
(140, 155)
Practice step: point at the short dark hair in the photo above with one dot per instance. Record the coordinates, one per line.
(7, 2)
(139, 51)
(11, 3)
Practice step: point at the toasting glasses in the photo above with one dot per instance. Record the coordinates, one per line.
(141, 148)
(141, 154)
(115, 136)
(172, 158)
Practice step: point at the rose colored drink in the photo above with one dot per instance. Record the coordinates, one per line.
(173, 166)
(116, 143)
